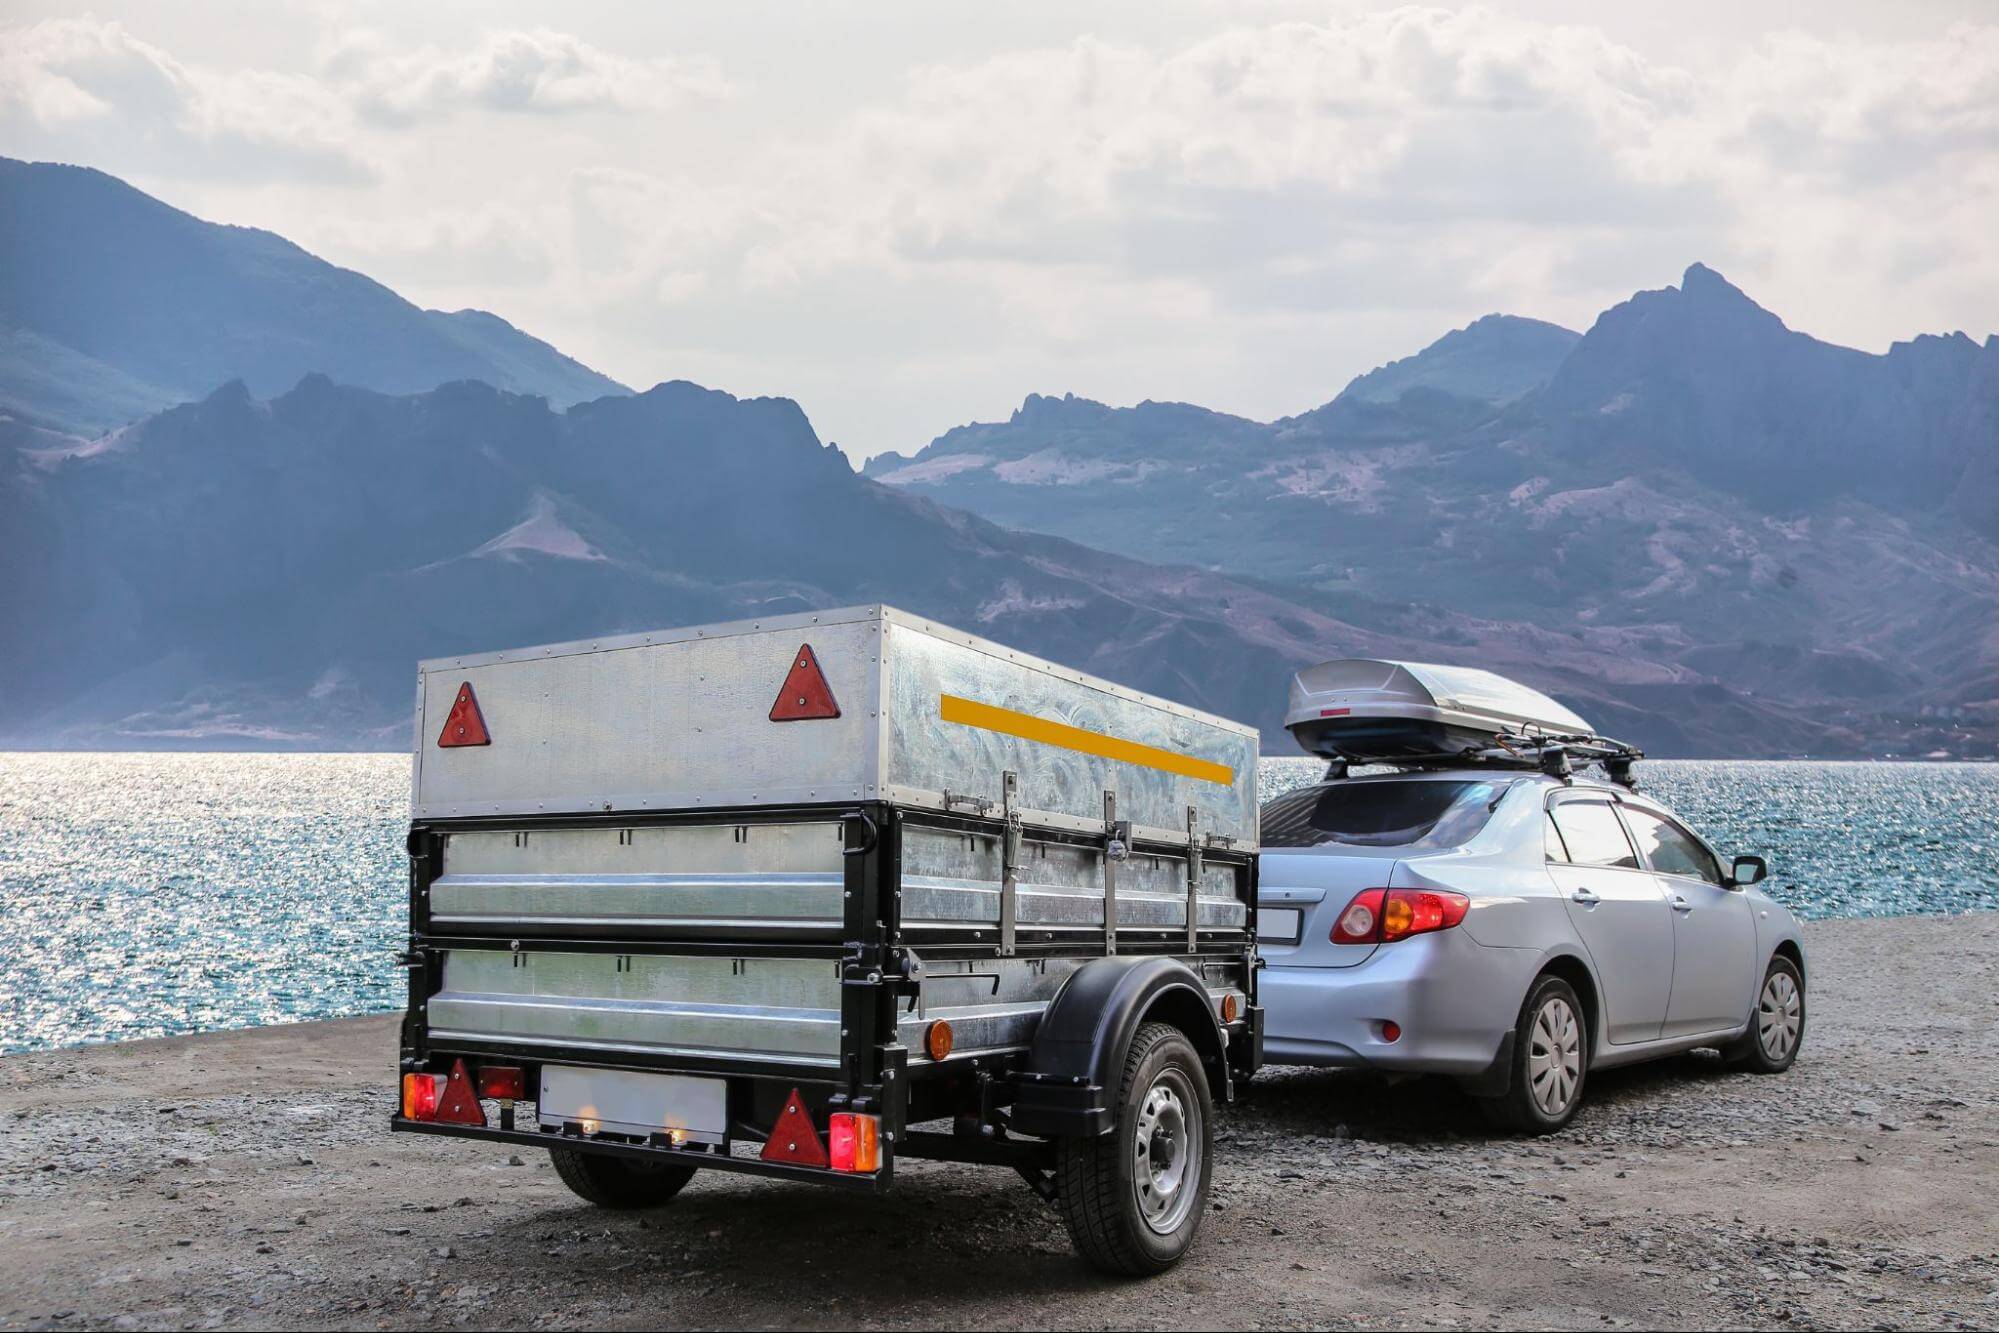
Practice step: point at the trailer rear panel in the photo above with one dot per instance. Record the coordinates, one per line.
(681, 879)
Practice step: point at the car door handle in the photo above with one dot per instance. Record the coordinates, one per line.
(1681, 904)
(1585, 897)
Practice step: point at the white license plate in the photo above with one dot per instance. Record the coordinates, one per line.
(1279, 925)
(695, 1110)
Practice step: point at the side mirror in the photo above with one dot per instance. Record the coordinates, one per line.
(1748, 870)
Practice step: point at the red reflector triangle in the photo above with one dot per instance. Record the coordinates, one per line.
(460, 1104)
(793, 1138)
(806, 693)
(466, 725)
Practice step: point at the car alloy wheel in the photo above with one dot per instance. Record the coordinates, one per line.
(1780, 1014)
(1555, 1057)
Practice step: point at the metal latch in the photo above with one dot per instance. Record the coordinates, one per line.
(1195, 869)
(1009, 863)
(1117, 846)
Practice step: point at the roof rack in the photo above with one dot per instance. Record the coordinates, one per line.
(1557, 756)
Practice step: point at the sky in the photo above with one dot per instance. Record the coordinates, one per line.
(910, 215)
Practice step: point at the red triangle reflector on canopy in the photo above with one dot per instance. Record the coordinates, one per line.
(793, 1138)
(466, 725)
(806, 693)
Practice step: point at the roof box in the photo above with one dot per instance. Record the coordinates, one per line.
(1367, 711)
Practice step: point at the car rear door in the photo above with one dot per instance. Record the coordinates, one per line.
(1714, 932)
(1617, 907)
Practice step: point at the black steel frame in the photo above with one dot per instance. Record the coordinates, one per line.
(874, 1074)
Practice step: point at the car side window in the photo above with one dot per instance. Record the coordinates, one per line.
(1670, 849)
(1593, 836)
(1552, 839)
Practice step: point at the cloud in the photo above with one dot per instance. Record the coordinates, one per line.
(491, 246)
(519, 71)
(90, 91)
(1257, 197)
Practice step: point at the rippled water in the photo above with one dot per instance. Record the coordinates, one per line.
(153, 894)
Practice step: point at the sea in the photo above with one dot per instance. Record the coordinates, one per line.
(143, 895)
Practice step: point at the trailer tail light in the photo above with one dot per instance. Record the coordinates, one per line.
(420, 1094)
(793, 1138)
(1360, 923)
(505, 1083)
(856, 1142)
(1383, 916)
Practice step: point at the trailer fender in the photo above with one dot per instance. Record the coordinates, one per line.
(1068, 1085)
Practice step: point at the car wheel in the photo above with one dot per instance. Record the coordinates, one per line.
(1133, 1198)
(1550, 1062)
(1777, 1027)
(619, 1182)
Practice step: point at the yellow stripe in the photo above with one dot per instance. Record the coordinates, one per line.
(972, 713)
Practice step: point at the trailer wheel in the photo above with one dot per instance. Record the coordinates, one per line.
(1133, 1198)
(619, 1182)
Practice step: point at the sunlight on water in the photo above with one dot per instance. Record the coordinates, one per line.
(154, 894)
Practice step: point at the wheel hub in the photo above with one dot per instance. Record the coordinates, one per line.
(1166, 1153)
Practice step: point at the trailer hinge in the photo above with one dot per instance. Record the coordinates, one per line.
(1194, 872)
(1117, 846)
(1009, 863)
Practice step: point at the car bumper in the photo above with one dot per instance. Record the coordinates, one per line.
(1453, 999)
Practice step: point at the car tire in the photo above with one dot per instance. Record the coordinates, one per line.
(1133, 1198)
(619, 1182)
(1776, 1024)
(1551, 1050)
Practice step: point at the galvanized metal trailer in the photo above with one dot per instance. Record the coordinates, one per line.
(803, 895)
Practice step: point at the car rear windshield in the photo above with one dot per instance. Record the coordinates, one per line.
(1380, 814)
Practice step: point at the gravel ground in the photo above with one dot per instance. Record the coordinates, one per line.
(246, 1180)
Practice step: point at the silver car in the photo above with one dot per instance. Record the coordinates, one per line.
(1516, 931)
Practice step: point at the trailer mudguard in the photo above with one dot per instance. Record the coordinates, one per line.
(1068, 1086)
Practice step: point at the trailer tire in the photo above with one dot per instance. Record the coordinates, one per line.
(619, 1182)
(1133, 1218)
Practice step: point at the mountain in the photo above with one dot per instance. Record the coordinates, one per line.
(1494, 359)
(114, 305)
(1806, 524)
(264, 573)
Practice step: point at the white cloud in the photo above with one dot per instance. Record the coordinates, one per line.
(90, 91)
(1244, 214)
(519, 71)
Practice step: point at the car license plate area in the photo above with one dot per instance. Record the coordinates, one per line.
(619, 1101)
(1279, 925)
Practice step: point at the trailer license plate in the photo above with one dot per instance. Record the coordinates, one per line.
(619, 1101)
(1279, 925)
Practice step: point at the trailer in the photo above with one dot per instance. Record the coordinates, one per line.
(804, 896)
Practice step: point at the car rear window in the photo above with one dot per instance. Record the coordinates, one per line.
(1380, 814)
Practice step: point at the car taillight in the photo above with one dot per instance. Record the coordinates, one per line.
(1383, 916)
(854, 1141)
(1360, 923)
(1417, 911)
